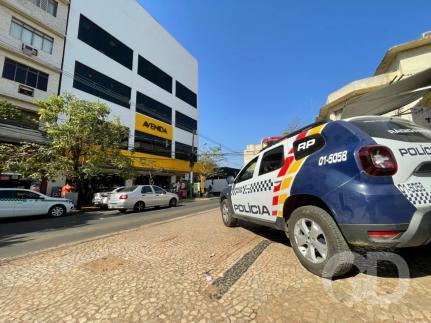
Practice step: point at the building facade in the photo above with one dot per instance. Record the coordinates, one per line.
(118, 54)
(32, 37)
(399, 63)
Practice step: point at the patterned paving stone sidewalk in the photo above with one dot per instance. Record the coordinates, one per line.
(195, 270)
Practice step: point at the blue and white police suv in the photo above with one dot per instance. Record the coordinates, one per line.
(364, 181)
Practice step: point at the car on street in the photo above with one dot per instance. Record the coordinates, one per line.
(22, 202)
(139, 197)
(364, 181)
(100, 199)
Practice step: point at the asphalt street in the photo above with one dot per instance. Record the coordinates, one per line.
(24, 235)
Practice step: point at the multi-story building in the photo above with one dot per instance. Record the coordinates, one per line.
(400, 62)
(32, 36)
(118, 54)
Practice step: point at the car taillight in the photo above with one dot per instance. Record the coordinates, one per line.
(383, 234)
(123, 197)
(378, 160)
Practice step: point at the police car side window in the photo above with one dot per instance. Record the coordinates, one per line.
(272, 160)
(247, 172)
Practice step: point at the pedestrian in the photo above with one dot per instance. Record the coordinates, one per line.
(66, 189)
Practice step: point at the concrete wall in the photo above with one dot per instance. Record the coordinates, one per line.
(129, 22)
(412, 61)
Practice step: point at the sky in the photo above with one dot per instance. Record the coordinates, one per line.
(263, 64)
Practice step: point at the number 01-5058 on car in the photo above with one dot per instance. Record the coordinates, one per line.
(364, 181)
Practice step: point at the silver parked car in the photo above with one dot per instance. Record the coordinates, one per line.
(101, 199)
(21, 202)
(139, 197)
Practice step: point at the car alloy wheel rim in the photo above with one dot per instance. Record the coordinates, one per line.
(311, 240)
(225, 213)
(140, 206)
(57, 211)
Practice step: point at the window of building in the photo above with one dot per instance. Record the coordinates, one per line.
(23, 74)
(99, 39)
(184, 122)
(88, 80)
(186, 95)
(146, 143)
(272, 160)
(31, 36)
(183, 151)
(154, 74)
(247, 172)
(49, 6)
(153, 108)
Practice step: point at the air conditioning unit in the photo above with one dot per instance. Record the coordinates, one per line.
(426, 34)
(25, 90)
(27, 49)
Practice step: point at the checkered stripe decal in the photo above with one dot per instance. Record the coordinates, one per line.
(415, 193)
(262, 186)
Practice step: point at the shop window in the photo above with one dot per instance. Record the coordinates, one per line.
(184, 152)
(99, 39)
(150, 144)
(91, 81)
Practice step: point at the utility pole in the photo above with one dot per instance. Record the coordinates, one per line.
(192, 163)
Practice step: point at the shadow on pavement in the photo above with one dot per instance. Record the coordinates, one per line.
(418, 259)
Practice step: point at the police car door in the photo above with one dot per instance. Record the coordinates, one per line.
(252, 196)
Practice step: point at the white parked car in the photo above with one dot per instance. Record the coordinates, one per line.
(101, 199)
(139, 197)
(20, 202)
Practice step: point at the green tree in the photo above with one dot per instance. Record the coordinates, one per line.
(292, 126)
(209, 159)
(83, 141)
(8, 112)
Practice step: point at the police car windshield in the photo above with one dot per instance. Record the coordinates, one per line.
(394, 129)
(128, 189)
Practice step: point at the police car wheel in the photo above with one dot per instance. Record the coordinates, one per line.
(318, 243)
(227, 217)
(57, 210)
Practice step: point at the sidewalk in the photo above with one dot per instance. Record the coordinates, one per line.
(192, 269)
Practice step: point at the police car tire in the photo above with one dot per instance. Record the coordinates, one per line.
(230, 221)
(51, 214)
(339, 265)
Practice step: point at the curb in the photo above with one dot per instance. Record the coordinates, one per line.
(4, 261)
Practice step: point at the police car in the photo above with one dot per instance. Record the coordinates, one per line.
(21, 202)
(363, 181)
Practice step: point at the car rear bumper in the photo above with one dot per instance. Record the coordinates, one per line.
(413, 234)
(117, 206)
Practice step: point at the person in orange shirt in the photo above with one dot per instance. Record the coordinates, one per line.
(66, 189)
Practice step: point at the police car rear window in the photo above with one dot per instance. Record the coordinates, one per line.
(394, 130)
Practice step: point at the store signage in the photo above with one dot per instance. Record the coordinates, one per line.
(153, 127)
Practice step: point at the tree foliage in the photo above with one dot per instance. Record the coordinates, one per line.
(8, 112)
(293, 125)
(209, 159)
(84, 142)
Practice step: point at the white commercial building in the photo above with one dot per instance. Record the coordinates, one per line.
(117, 53)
